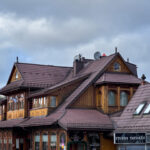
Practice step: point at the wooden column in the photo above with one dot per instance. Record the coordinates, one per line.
(131, 92)
(118, 98)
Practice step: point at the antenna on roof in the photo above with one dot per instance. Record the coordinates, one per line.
(116, 49)
(17, 59)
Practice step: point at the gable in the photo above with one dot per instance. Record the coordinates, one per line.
(15, 75)
(118, 65)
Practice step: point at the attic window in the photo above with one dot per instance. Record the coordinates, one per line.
(17, 75)
(117, 66)
(139, 108)
(147, 110)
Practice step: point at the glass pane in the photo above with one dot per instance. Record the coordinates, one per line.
(111, 98)
(135, 147)
(45, 142)
(53, 101)
(53, 141)
(147, 110)
(139, 109)
(148, 147)
(62, 141)
(37, 138)
(123, 99)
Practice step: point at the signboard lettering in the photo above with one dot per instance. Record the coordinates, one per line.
(129, 138)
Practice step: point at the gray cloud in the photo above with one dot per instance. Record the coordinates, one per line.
(53, 32)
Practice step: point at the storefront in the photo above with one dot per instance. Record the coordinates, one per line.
(83, 141)
(132, 141)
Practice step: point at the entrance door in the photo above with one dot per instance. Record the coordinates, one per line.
(77, 146)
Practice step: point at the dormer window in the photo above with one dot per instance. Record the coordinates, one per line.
(117, 66)
(147, 110)
(139, 108)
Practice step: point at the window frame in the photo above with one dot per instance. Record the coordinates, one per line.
(51, 101)
(114, 98)
(119, 66)
(127, 94)
(147, 108)
(50, 146)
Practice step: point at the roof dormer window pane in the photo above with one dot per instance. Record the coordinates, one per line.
(147, 110)
(139, 109)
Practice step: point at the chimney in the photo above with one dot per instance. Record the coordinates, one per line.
(17, 59)
(127, 59)
(116, 49)
(78, 64)
(143, 79)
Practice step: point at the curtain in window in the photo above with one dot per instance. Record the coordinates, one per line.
(53, 141)
(45, 141)
(123, 98)
(37, 142)
(111, 98)
(62, 141)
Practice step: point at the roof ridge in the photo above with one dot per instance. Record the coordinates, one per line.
(43, 65)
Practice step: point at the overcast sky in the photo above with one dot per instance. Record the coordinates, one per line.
(54, 31)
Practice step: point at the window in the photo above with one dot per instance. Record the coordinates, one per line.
(41, 101)
(37, 141)
(17, 75)
(53, 141)
(111, 98)
(117, 66)
(3, 108)
(35, 102)
(123, 98)
(139, 109)
(53, 101)
(62, 141)
(0, 109)
(0, 143)
(147, 110)
(5, 144)
(21, 104)
(10, 144)
(45, 141)
(45, 101)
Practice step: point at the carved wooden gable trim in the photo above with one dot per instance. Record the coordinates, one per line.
(15, 75)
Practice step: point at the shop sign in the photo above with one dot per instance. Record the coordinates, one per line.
(129, 138)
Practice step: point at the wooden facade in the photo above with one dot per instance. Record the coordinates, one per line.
(21, 104)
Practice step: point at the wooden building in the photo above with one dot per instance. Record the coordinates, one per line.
(65, 108)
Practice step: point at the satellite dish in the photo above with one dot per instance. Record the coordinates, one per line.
(97, 55)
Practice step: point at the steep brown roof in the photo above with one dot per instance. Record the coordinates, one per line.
(132, 67)
(128, 122)
(118, 78)
(85, 119)
(96, 68)
(39, 76)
